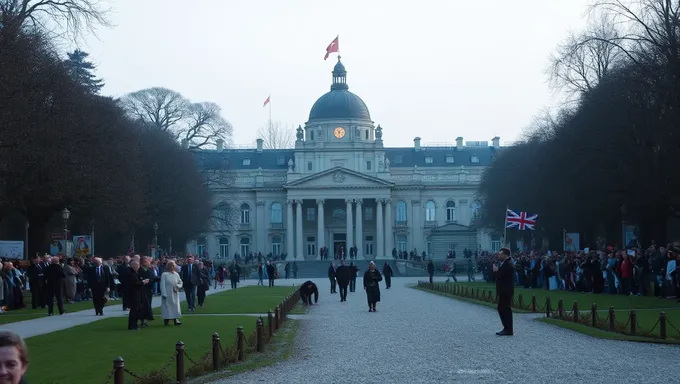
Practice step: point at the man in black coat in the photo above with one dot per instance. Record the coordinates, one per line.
(54, 285)
(331, 277)
(430, 270)
(505, 289)
(271, 273)
(353, 270)
(36, 277)
(387, 274)
(99, 279)
(146, 273)
(307, 290)
(343, 275)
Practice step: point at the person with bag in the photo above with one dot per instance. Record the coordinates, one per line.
(371, 279)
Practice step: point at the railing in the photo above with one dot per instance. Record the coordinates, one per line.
(217, 357)
(587, 317)
(276, 225)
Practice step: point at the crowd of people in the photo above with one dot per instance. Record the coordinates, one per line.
(634, 271)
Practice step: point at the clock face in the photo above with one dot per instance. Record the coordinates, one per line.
(339, 132)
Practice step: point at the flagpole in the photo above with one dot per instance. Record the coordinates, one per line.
(505, 227)
(270, 113)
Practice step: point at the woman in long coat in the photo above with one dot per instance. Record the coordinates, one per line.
(71, 281)
(171, 282)
(371, 279)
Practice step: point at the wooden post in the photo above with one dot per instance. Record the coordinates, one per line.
(560, 308)
(276, 318)
(593, 315)
(633, 321)
(576, 318)
(179, 348)
(612, 319)
(662, 325)
(260, 343)
(270, 323)
(239, 342)
(119, 371)
(548, 308)
(533, 303)
(216, 351)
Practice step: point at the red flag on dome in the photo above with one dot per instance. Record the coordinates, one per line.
(266, 101)
(334, 46)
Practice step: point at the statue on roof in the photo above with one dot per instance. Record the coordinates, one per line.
(290, 165)
(387, 164)
(378, 133)
(300, 135)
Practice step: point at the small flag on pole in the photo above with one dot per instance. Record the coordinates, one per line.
(266, 101)
(520, 220)
(334, 46)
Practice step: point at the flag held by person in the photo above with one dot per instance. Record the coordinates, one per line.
(520, 220)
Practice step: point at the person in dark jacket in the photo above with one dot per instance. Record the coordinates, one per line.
(99, 280)
(36, 278)
(387, 273)
(430, 270)
(271, 273)
(343, 275)
(135, 284)
(353, 277)
(54, 284)
(371, 279)
(505, 289)
(146, 273)
(331, 277)
(307, 290)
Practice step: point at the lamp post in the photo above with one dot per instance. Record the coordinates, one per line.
(155, 238)
(65, 214)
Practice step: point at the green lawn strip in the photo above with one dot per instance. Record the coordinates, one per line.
(279, 348)
(250, 299)
(16, 316)
(29, 313)
(299, 309)
(100, 342)
(484, 303)
(596, 332)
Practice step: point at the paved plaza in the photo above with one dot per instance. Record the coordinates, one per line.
(419, 337)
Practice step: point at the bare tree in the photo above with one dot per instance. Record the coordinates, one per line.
(200, 124)
(73, 16)
(584, 59)
(276, 135)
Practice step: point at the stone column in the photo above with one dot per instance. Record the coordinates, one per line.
(389, 238)
(379, 231)
(417, 218)
(360, 229)
(290, 231)
(260, 243)
(298, 230)
(320, 241)
(350, 226)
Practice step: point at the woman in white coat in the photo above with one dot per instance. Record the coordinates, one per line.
(170, 285)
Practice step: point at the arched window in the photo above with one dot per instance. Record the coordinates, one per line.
(224, 247)
(276, 245)
(245, 213)
(277, 213)
(430, 211)
(245, 246)
(450, 210)
(475, 206)
(401, 212)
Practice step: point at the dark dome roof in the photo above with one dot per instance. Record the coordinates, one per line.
(339, 104)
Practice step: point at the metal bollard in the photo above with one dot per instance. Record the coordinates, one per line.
(239, 342)
(119, 371)
(593, 315)
(260, 329)
(215, 351)
(576, 317)
(633, 321)
(612, 319)
(179, 348)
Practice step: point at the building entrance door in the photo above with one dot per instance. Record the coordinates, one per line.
(339, 246)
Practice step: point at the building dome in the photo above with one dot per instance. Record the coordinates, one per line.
(339, 103)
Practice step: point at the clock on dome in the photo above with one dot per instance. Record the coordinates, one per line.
(339, 132)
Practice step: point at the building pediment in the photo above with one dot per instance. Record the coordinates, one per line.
(339, 177)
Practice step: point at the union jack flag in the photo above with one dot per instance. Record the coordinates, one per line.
(520, 220)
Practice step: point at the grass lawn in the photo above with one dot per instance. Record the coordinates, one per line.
(93, 347)
(29, 313)
(250, 299)
(595, 332)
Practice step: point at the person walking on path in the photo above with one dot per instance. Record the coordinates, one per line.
(54, 282)
(505, 289)
(135, 285)
(170, 285)
(204, 285)
(371, 279)
(342, 275)
(387, 272)
(430, 270)
(331, 277)
(354, 271)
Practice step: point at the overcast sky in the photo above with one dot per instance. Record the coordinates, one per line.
(434, 69)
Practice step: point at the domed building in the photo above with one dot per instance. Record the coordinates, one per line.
(342, 189)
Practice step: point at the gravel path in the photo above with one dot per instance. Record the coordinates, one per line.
(418, 337)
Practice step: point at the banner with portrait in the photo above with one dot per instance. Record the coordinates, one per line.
(10, 249)
(82, 245)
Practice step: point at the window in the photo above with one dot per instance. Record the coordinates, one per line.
(200, 247)
(276, 213)
(311, 213)
(450, 210)
(246, 161)
(368, 213)
(281, 160)
(276, 245)
(309, 165)
(474, 159)
(245, 213)
(428, 246)
(368, 165)
(474, 207)
(401, 243)
(401, 212)
(366, 134)
(311, 246)
(224, 247)
(311, 135)
(429, 160)
(450, 159)
(495, 246)
(430, 211)
(245, 246)
(398, 159)
(369, 246)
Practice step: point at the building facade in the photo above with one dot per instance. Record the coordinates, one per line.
(340, 187)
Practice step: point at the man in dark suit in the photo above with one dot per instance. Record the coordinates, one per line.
(342, 275)
(36, 277)
(123, 272)
(505, 289)
(146, 272)
(271, 273)
(54, 285)
(307, 290)
(99, 279)
(331, 277)
(191, 278)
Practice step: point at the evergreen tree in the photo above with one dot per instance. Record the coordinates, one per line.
(81, 70)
